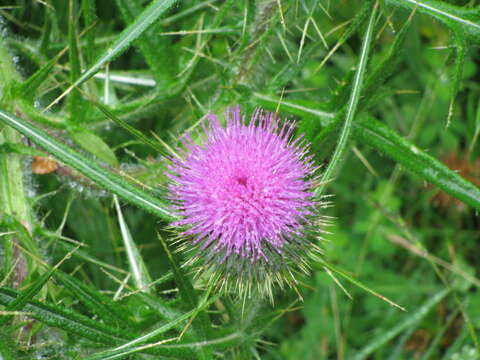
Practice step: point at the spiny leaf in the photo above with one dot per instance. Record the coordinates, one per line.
(32, 290)
(409, 321)
(91, 170)
(384, 139)
(138, 343)
(28, 294)
(31, 112)
(291, 70)
(217, 20)
(164, 310)
(108, 310)
(65, 319)
(123, 40)
(187, 291)
(27, 88)
(466, 18)
(352, 28)
(351, 107)
(388, 66)
(156, 49)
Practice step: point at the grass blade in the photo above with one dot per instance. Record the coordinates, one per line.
(138, 268)
(327, 266)
(404, 325)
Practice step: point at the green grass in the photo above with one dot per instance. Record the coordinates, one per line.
(386, 92)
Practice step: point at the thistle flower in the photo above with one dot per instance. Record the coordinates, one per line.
(245, 201)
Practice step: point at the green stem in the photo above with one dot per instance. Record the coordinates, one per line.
(12, 194)
(352, 106)
(13, 197)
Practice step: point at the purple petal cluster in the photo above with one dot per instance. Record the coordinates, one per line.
(245, 191)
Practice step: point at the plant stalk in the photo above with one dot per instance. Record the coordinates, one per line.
(14, 204)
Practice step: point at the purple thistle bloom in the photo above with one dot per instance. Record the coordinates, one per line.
(244, 197)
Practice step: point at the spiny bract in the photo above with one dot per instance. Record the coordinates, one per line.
(245, 201)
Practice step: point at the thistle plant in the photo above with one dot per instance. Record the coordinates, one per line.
(245, 197)
(137, 222)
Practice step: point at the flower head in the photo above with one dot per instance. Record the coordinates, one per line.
(245, 201)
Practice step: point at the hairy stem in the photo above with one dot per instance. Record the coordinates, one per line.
(13, 197)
